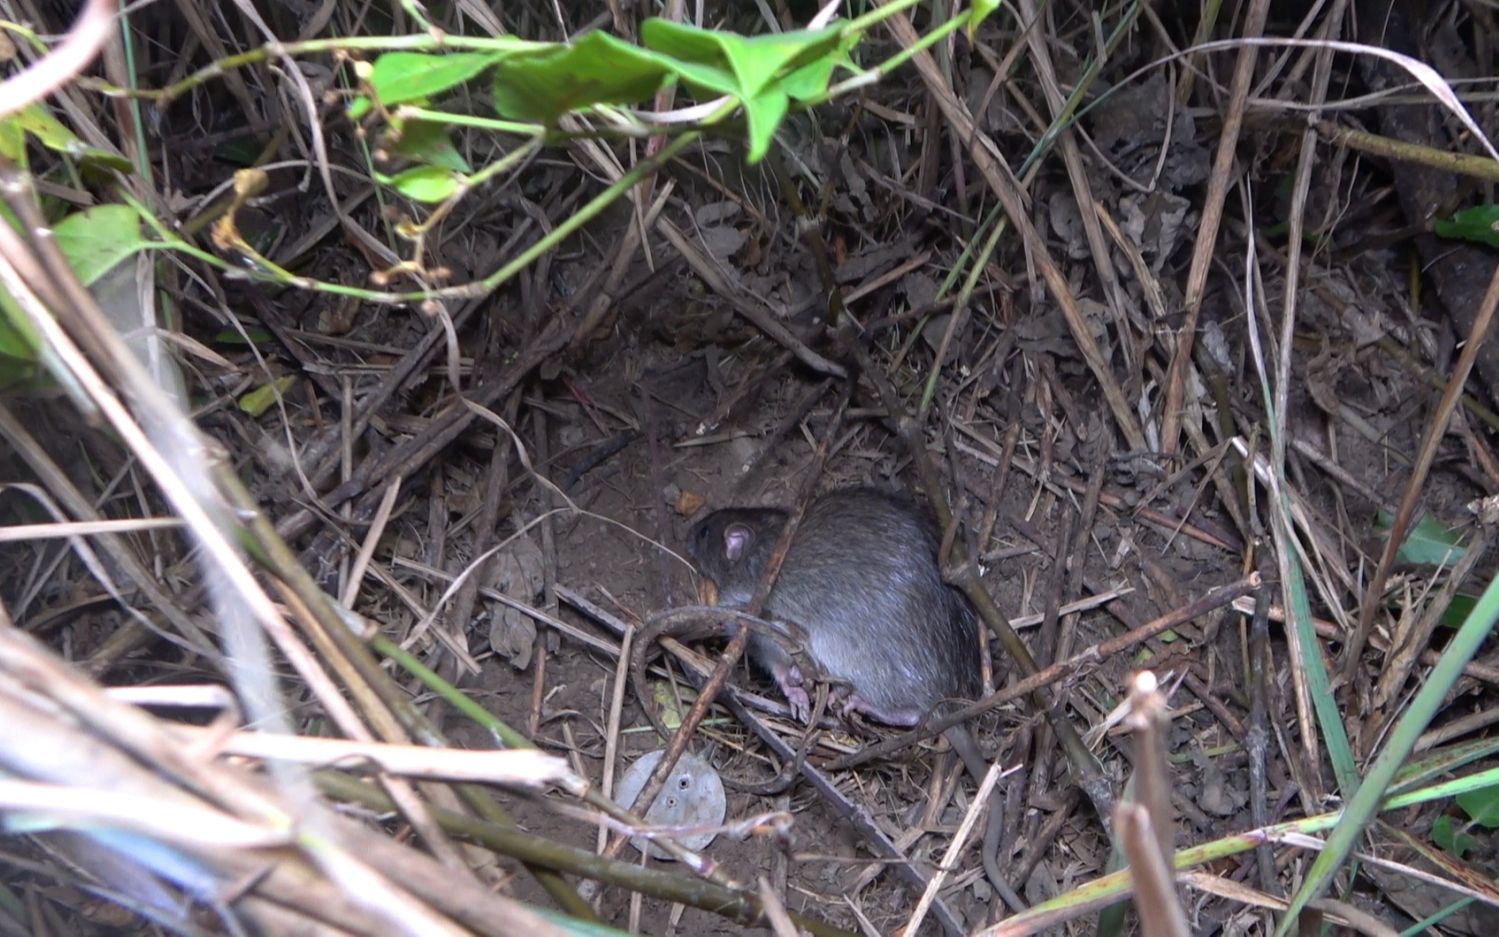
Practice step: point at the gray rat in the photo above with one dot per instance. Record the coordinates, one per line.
(861, 579)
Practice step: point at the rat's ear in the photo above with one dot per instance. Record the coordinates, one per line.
(736, 540)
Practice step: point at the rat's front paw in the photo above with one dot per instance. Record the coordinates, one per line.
(800, 704)
(790, 682)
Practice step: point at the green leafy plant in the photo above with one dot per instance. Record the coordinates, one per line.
(1481, 806)
(93, 241)
(547, 81)
(36, 122)
(544, 93)
(96, 239)
(1450, 839)
(1429, 543)
(1471, 224)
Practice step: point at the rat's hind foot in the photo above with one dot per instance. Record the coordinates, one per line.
(854, 703)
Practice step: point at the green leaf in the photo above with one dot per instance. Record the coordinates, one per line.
(36, 120)
(707, 81)
(18, 341)
(1450, 839)
(408, 76)
(424, 183)
(1427, 544)
(755, 61)
(1472, 224)
(27, 366)
(978, 11)
(359, 107)
(426, 141)
(97, 238)
(264, 397)
(765, 111)
(763, 72)
(1441, 834)
(92, 155)
(597, 69)
(13, 141)
(14, 347)
(1458, 609)
(811, 79)
(1482, 806)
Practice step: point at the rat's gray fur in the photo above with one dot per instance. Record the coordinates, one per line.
(861, 579)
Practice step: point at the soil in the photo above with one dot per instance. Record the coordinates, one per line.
(611, 554)
(620, 433)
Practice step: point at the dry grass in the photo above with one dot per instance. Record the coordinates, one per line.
(1147, 305)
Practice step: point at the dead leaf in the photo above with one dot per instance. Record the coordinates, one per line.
(516, 572)
(689, 503)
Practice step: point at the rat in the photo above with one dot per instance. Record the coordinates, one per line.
(861, 579)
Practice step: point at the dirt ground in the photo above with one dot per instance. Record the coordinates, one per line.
(602, 440)
(613, 554)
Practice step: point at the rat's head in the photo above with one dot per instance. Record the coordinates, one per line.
(731, 548)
